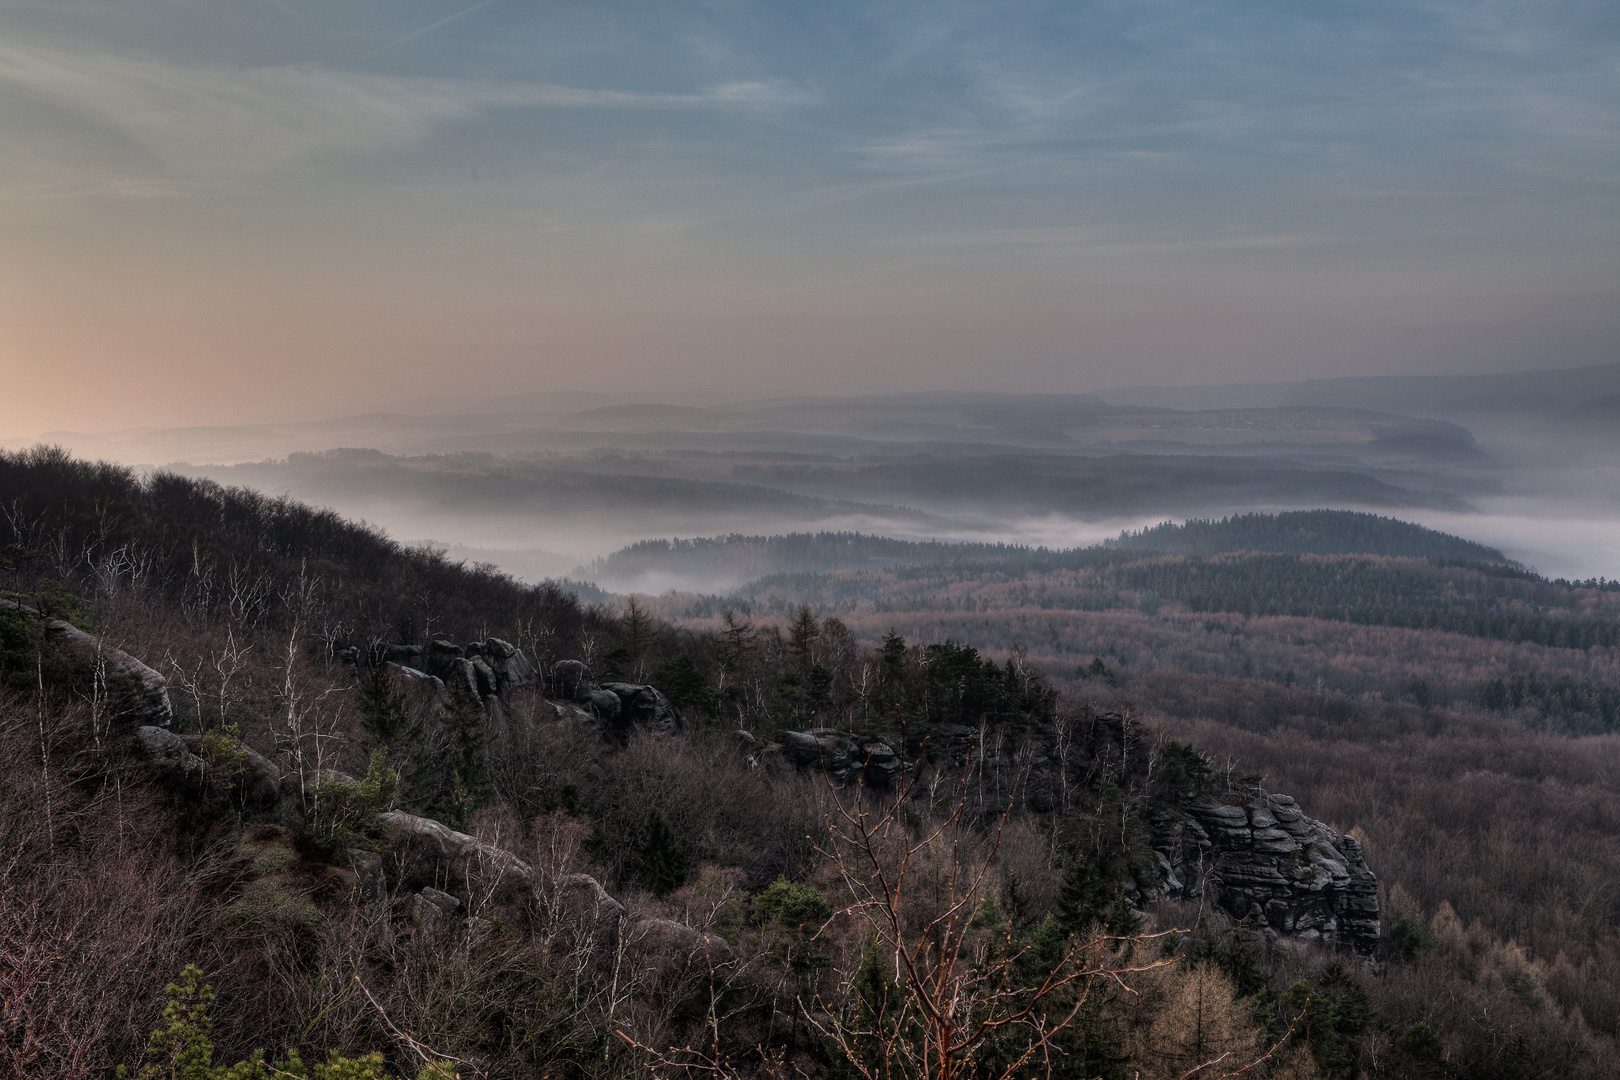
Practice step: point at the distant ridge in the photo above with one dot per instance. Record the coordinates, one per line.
(736, 558)
(1546, 393)
(1306, 532)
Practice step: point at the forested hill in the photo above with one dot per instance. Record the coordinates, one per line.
(724, 562)
(1307, 532)
(756, 556)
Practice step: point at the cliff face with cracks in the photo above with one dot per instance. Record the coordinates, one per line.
(1254, 855)
(1264, 862)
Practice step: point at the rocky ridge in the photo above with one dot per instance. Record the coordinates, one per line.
(1254, 854)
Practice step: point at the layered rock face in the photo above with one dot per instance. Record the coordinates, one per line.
(875, 762)
(133, 694)
(1266, 863)
(1256, 856)
(620, 705)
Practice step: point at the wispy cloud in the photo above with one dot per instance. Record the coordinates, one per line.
(207, 123)
(431, 27)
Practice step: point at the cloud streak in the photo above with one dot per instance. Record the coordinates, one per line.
(207, 123)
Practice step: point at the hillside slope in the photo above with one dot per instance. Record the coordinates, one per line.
(533, 833)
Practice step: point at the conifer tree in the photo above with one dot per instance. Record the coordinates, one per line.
(1083, 897)
(661, 854)
(382, 710)
(802, 636)
(894, 655)
(637, 630)
(467, 784)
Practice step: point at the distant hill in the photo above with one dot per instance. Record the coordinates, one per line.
(1307, 532)
(727, 561)
(724, 562)
(1546, 393)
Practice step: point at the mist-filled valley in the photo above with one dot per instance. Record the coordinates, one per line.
(541, 486)
(780, 541)
(1302, 717)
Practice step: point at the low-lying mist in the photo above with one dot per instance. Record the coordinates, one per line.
(545, 486)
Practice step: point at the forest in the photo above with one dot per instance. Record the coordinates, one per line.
(697, 892)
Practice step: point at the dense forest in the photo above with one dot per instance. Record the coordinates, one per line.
(741, 913)
(1314, 532)
(1307, 532)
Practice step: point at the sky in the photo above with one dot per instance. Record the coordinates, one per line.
(224, 212)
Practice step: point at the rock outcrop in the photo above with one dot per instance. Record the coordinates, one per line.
(644, 706)
(507, 665)
(1257, 856)
(1265, 862)
(674, 948)
(619, 705)
(430, 853)
(583, 899)
(170, 755)
(250, 775)
(133, 695)
(875, 762)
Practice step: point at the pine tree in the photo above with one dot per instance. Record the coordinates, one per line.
(661, 854)
(683, 683)
(637, 630)
(802, 637)
(1083, 898)
(877, 999)
(737, 642)
(1424, 1053)
(894, 656)
(468, 785)
(382, 710)
(1015, 902)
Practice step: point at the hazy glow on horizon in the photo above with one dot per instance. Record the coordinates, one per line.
(236, 212)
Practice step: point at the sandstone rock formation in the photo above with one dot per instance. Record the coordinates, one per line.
(678, 949)
(876, 762)
(170, 754)
(644, 706)
(132, 693)
(1257, 857)
(583, 899)
(506, 663)
(428, 852)
(620, 705)
(1264, 861)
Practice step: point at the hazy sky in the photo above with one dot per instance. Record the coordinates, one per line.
(220, 211)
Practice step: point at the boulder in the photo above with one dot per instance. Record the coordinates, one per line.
(368, 867)
(602, 704)
(171, 755)
(483, 677)
(571, 680)
(825, 747)
(432, 910)
(679, 954)
(440, 655)
(511, 667)
(134, 695)
(431, 853)
(249, 779)
(404, 655)
(293, 783)
(644, 706)
(568, 710)
(415, 675)
(583, 899)
(258, 781)
(876, 762)
(462, 674)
